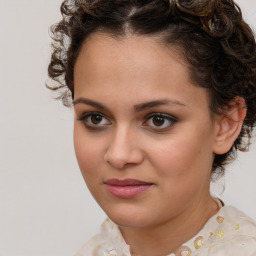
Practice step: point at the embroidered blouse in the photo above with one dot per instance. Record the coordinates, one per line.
(228, 233)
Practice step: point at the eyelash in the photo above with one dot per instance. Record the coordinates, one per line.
(88, 115)
(165, 117)
(85, 118)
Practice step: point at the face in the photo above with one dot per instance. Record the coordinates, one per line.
(143, 133)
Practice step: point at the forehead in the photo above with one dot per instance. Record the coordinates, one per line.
(135, 66)
(139, 51)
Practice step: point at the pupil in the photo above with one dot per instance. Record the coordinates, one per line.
(96, 119)
(158, 121)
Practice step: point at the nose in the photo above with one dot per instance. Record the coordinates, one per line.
(123, 149)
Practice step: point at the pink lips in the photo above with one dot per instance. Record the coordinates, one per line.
(127, 188)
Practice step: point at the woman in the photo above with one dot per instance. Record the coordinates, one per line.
(164, 94)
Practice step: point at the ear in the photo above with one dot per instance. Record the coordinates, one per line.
(228, 125)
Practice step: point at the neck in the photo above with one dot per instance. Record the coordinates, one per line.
(167, 237)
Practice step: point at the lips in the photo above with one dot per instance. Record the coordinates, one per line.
(127, 188)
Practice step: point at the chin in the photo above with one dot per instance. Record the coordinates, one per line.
(129, 217)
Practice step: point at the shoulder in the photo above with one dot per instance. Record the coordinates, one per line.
(90, 247)
(231, 232)
(238, 222)
(107, 242)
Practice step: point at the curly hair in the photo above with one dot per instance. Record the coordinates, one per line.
(215, 41)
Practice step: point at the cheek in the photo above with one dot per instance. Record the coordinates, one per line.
(182, 156)
(87, 152)
(182, 169)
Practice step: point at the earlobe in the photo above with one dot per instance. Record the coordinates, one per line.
(229, 125)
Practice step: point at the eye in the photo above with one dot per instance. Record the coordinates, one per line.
(160, 121)
(94, 120)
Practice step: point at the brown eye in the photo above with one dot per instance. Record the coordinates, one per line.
(96, 119)
(158, 120)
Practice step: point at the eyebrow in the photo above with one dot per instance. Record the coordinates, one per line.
(89, 102)
(156, 103)
(138, 107)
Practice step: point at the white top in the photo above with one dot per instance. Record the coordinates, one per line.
(228, 233)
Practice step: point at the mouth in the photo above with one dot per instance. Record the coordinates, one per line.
(127, 188)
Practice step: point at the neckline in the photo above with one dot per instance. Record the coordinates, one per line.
(193, 244)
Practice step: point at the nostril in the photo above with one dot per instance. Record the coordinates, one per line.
(123, 158)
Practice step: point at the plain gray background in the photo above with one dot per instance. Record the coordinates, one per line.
(45, 208)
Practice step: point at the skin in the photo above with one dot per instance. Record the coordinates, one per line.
(176, 156)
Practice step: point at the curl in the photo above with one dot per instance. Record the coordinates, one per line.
(217, 44)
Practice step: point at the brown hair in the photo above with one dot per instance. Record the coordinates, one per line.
(212, 36)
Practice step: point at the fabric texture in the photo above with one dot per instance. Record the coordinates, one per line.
(228, 233)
